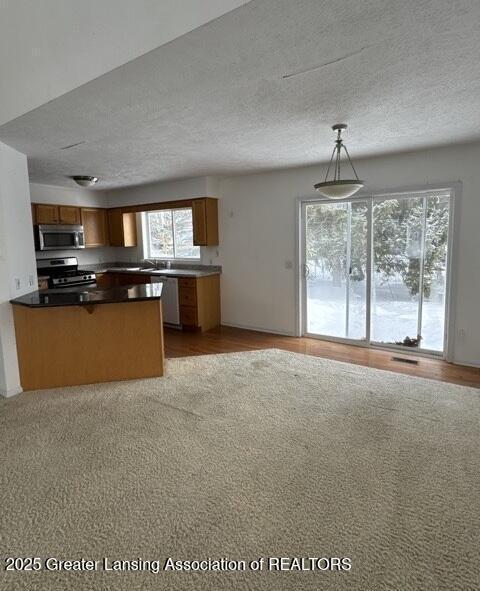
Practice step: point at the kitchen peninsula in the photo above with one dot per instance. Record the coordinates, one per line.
(68, 337)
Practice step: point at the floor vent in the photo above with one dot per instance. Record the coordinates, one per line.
(403, 360)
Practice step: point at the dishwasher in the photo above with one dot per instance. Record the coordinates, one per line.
(170, 304)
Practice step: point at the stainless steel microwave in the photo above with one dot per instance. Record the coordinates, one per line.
(59, 237)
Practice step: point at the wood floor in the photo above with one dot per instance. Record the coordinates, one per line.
(227, 340)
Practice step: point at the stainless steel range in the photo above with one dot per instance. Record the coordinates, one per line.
(64, 272)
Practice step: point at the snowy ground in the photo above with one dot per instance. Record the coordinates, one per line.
(394, 314)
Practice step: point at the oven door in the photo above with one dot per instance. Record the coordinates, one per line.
(59, 237)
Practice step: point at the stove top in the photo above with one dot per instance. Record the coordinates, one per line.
(64, 272)
(74, 273)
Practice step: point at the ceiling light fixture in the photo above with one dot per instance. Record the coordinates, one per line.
(85, 181)
(338, 188)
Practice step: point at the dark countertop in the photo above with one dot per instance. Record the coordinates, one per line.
(133, 268)
(161, 272)
(84, 296)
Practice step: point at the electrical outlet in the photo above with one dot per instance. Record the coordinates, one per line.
(17, 283)
(288, 264)
(30, 280)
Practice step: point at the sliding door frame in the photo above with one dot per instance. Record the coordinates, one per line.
(455, 189)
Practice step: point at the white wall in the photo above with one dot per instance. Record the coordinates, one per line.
(81, 198)
(257, 233)
(71, 196)
(17, 257)
(50, 47)
(158, 192)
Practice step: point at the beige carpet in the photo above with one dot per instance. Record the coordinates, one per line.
(248, 455)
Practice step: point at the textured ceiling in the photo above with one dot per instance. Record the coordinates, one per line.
(259, 88)
(50, 47)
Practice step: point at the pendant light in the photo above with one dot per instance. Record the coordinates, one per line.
(338, 188)
(85, 181)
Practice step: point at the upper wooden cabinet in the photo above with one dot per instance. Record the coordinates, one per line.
(118, 226)
(122, 228)
(205, 221)
(94, 222)
(69, 214)
(44, 213)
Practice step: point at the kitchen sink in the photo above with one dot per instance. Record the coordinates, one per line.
(129, 269)
(149, 270)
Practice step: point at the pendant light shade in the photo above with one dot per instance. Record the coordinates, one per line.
(337, 188)
(85, 181)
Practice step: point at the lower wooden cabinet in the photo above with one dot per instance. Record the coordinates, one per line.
(188, 317)
(188, 295)
(132, 279)
(106, 280)
(199, 299)
(112, 279)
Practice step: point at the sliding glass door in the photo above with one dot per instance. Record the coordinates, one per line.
(336, 268)
(375, 269)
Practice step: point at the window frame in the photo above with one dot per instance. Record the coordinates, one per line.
(146, 236)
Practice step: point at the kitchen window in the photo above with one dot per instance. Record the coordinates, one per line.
(168, 234)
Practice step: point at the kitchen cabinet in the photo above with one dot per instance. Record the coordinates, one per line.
(122, 228)
(95, 226)
(199, 299)
(44, 213)
(205, 221)
(132, 279)
(106, 280)
(112, 279)
(102, 341)
(69, 214)
(43, 283)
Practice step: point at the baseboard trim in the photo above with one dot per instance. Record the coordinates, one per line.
(255, 328)
(11, 392)
(293, 334)
(465, 363)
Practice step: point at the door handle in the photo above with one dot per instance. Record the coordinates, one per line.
(306, 271)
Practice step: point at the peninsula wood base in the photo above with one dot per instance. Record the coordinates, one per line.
(73, 345)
